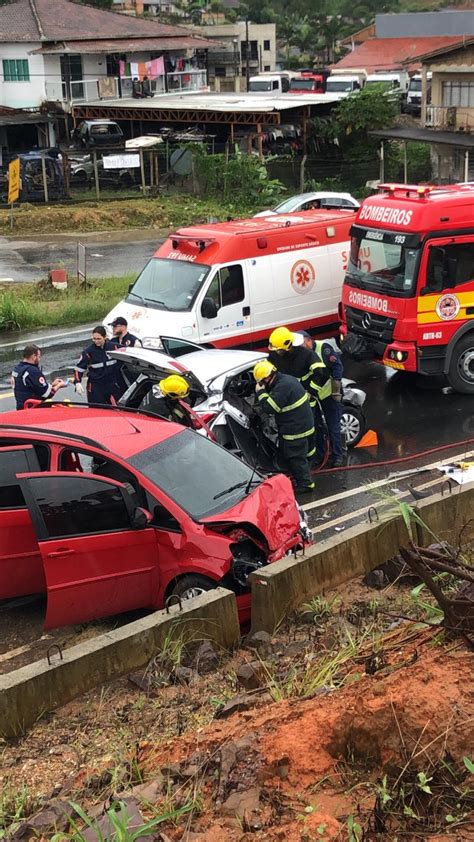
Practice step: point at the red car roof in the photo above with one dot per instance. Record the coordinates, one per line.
(123, 433)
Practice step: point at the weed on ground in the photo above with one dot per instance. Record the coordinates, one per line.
(352, 722)
(28, 306)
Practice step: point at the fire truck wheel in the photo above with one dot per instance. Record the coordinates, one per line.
(193, 585)
(461, 368)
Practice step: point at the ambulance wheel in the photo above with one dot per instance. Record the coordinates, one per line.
(192, 585)
(461, 367)
(353, 425)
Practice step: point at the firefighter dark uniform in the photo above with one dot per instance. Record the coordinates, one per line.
(331, 403)
(29, 382)
(101, 373)
(128, 340)
(286, 399)
(172, 409)
(304, 364)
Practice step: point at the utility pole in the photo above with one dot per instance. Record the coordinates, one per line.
(247, 54)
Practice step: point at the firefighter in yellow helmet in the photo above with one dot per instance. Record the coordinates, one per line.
(170, 403)
(289, 355)
(282, 396)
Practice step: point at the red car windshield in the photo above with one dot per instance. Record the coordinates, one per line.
(197, 474)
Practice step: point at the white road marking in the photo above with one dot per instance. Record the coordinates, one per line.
(6, 280)
(6, 395)
(378, 483)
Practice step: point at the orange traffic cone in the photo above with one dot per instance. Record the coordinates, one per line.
(369, 440)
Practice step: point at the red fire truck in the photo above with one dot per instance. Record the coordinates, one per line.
(408, 294)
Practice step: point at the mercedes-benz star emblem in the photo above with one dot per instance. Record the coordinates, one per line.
(366, 320)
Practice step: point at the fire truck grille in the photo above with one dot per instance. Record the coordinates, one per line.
(372, 325)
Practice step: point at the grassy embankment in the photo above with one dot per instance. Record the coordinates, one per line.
(162, 212)
(28, 306)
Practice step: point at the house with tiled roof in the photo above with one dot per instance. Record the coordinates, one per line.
(57, 52)
(395, 40)
(447, 112)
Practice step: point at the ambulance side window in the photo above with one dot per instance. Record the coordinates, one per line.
(227, 286)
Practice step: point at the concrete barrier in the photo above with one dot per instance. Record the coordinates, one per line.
(280, 588)
(29, 692)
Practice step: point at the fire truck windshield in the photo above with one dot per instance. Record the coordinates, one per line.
(387, 267)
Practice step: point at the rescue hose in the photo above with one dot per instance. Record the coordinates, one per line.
(395, 461)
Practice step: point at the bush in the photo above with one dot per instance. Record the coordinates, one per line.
(236, 177)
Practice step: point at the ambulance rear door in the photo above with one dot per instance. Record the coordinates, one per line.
(224, 308)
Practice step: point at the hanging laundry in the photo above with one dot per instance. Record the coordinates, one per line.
(134, 69)
(122, 69)
(157, 67)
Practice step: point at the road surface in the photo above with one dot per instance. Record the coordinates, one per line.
(108, 254)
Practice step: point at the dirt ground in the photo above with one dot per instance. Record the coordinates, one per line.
(351, 723)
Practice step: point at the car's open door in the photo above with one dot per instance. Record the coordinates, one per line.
(175, 347)
(21, 569)
(96, 562)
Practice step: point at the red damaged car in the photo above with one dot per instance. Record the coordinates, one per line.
(106, 511)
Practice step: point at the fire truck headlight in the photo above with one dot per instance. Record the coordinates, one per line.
(400, 356)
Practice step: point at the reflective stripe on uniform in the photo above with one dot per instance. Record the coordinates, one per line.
(273, 404)
(299, 435)
(296, 404)
(288, 408)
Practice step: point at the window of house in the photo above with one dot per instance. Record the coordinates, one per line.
(266, 46)
(267, 68)
(458, 94)
(227, 286)
(16, 70)
(219, 71)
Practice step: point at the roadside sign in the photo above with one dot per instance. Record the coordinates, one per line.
(125, 161)
(13, 181)
(81, 264)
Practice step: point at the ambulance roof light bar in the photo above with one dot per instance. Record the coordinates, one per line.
(200, 242)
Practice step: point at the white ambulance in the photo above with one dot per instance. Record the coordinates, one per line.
(229, 284)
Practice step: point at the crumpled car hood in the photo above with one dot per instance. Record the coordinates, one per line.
(271, 508)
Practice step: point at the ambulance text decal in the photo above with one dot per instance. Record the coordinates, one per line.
(302, 276)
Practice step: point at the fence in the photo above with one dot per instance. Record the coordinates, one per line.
(110, 173)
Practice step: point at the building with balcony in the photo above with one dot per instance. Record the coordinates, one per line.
(57, 52)
(227, 61)
(447, 116)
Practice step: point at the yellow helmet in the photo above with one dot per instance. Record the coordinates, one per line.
(281, 339)
(174, 386)
(263, 369)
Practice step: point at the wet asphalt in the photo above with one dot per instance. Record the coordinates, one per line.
(107, 255)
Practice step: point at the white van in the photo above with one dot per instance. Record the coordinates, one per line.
(271, 83)
(413, 103)
(229, 284)
(343, 85)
